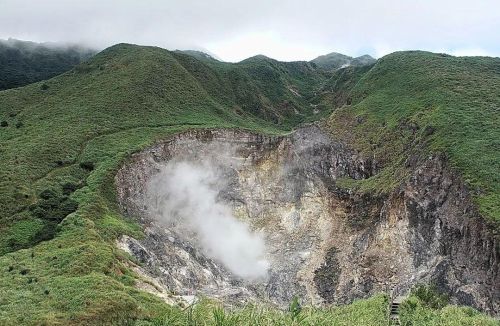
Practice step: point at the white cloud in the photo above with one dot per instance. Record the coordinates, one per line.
(286, 30)
(267, 43)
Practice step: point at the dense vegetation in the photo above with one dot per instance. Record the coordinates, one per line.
(62, 140)
(23, 63)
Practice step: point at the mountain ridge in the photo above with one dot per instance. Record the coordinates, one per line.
(334, 60)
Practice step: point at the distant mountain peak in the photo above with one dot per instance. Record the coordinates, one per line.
(258, 57)
(335, 60)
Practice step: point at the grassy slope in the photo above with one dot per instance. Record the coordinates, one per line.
(276, 91)
(416, 102)
(77, 132)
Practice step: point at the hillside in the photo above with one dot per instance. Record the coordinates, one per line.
(63, 140)
(23, 62)
(415, 102)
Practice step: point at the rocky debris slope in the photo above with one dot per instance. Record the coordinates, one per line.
(324, 243)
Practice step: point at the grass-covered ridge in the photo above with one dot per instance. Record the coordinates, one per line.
(419, 102)
(66, 137)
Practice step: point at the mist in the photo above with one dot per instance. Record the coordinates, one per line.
(283, 30)
(184, 196)
(29, 45)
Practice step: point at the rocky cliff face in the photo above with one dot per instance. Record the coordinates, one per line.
(324, 244)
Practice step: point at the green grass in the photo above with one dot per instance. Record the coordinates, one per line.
(414, 311)
(426, 306)
(65, 141)
(361, 312)
(416, 103)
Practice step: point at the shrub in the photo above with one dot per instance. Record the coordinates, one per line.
(48, 193)
(89, 166)
(53, 206)
(69, 187)
(430, 296)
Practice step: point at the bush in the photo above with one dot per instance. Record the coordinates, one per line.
(69, 187)
(89, 166)
(53, 206)
(48, 193)
(4, 123)
(430, 296)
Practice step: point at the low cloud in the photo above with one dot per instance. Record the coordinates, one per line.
(285, 30)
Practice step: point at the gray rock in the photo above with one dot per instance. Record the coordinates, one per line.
(325, 244)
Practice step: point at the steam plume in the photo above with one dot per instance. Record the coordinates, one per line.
(184, 195)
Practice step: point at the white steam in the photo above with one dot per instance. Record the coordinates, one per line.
(184, 195)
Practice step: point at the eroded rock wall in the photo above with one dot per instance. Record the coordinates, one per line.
(324, 243)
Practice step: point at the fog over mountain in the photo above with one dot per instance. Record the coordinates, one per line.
(23, 62)
(284, 30)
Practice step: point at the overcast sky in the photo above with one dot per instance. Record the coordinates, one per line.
(285, 30)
